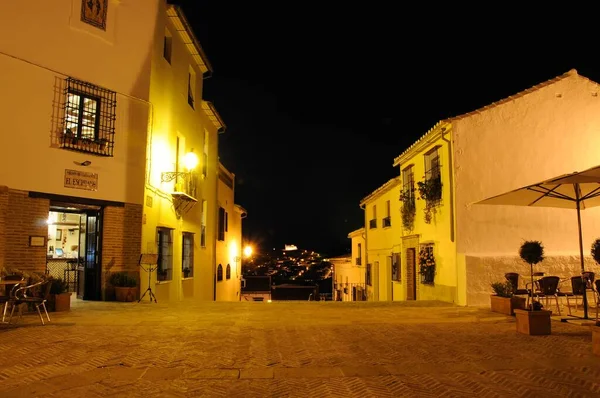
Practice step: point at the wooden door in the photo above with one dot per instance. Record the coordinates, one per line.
(411, 277)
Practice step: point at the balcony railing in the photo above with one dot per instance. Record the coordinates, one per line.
(373, 223)
(386, 222)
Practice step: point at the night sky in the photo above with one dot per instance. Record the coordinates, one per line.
(318, 99)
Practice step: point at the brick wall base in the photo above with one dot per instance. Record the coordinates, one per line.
(121, 243)
(20, 218)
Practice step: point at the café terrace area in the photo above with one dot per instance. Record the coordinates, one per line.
(289, 349)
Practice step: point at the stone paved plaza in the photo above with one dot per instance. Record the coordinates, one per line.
(291, 349)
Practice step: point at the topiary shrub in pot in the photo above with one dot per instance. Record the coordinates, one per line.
(503, 301)
(533, 320)
(125, 286)
(59, 295)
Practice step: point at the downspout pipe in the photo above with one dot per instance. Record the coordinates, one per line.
(362, 207)
(450, 182)
(451, 189)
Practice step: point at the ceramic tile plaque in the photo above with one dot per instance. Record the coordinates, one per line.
(93, 12)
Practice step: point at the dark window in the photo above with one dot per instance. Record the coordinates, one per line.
(219, 273)
(167, 46)
(191, 87)
(396, 267)
(221, 231)
(408, 182)
(89, 118)
(203, 224)
(164, 239)
(187, 260)
(228, 272)
(368, 275)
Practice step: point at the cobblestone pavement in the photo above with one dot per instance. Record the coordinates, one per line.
(291, 349)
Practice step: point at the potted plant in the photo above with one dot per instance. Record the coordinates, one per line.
(59, 294)
(596, 329)
(161, 274)
(186, 272)
(533, 320)
(125, 286)
(503, 300)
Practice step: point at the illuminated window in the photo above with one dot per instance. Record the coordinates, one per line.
(89, 118)
(187, 260)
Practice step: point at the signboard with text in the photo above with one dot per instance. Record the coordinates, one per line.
(81, 180)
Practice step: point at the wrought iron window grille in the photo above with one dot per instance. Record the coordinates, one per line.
(89, 118)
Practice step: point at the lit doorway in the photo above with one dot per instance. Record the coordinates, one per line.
(73, 251)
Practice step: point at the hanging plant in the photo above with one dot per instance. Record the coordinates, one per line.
(408, 209)
(532, 252)
(596, 251)
(430, 191)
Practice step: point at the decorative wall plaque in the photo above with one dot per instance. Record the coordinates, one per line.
(93, 12)
(81, 180)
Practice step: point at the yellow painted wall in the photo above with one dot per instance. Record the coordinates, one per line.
(173, 117)
(382, 242)
(439, 231)
(229, 251)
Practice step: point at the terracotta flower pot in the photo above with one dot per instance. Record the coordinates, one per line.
(506, 305)
(62, 302)
(534, 323)
(125, 293)
(596, 340)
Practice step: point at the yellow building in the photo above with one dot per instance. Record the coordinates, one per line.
(381, 233)
(229, 239)
(451, 249)
(349, 271)
(181, 204)
(75, 81)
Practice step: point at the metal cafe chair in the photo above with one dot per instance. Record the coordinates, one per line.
(21, 297)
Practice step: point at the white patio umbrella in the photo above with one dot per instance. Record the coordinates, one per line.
(579, 191)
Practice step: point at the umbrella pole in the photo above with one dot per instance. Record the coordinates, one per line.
(585, 303)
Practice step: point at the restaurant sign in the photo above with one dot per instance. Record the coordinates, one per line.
(81, 180)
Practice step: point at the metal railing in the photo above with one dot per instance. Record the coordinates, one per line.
(349, 291)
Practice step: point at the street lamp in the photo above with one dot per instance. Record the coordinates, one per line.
(190, 161)
(248, 251)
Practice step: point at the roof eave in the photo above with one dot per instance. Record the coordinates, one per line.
(205, 66)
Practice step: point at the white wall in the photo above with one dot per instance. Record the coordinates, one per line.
(545, 133)
(549, 132)
(47, 44)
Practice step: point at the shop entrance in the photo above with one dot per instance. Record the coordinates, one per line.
(74, 242)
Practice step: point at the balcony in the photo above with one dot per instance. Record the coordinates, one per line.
(373, 223)
(386, 222)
